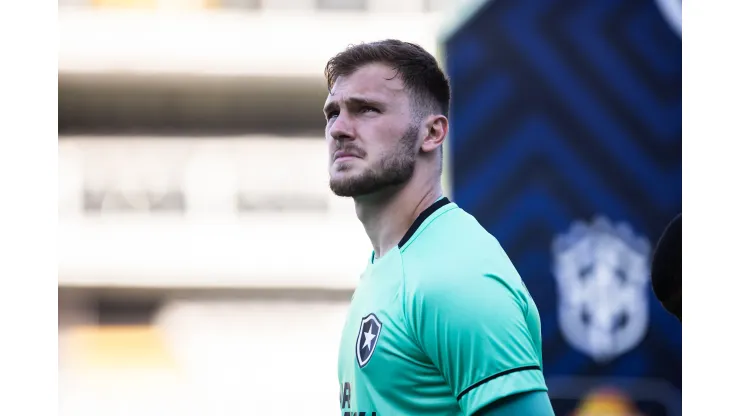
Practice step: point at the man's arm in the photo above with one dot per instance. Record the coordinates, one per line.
(535, 403)
(475, 330)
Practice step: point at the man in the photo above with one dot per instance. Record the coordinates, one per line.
(440, 323)
(665, 274)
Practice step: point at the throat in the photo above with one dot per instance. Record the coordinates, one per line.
(392, 224)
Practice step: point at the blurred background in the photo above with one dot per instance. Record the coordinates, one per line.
(205, 267)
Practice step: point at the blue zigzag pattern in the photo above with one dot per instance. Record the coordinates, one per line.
(600, 134)
(618, 75)
(521, 25)
(645, 43)
(492, 94)
(526, 143)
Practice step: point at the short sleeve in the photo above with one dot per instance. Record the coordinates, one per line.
(475, 330)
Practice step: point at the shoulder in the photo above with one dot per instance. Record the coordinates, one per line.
(453, 235)
(455, 254)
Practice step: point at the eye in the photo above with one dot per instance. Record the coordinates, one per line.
(366, 109)
(331, 115)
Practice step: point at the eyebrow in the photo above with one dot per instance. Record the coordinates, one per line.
(353, 101)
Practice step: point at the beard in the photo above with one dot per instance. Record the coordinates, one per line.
(395, 168)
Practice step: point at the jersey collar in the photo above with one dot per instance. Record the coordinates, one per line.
(417, 223)
(421, 218)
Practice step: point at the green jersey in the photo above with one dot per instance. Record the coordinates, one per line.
(440, 325)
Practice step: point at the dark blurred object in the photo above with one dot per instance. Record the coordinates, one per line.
(666, 268)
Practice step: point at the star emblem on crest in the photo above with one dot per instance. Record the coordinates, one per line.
(367, 339)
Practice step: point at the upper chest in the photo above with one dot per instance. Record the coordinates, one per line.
(377, 347)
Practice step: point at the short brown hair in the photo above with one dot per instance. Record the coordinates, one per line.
(419, 70)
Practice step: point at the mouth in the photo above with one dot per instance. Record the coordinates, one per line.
(342, 156)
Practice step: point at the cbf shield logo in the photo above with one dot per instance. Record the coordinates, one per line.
(602, 273)
(367, 339)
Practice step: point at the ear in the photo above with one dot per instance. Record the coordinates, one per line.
(434, 130)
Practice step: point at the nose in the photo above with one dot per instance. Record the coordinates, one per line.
(341, 128)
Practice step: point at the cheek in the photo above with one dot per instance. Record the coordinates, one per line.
(383, 136)
(390, 130)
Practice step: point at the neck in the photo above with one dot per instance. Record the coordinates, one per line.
(387, 215)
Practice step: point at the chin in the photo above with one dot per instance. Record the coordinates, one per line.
(345, 184)
(343, 176)
(344, 170)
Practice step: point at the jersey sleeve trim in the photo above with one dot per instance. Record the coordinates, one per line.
(495, 376)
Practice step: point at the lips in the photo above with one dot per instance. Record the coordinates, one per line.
(344, 154)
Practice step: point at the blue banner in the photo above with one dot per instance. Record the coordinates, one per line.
(566, 145)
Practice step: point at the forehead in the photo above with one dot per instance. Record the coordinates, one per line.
(373, 81)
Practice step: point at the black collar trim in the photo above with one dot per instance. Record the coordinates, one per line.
(421, 218)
